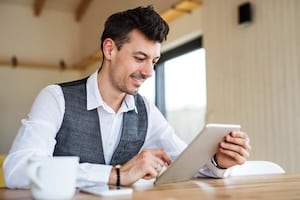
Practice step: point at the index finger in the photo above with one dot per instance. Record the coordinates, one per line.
(239, 134)
(162, 154)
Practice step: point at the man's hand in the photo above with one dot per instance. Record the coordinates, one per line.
(233, 150)
(147, 164)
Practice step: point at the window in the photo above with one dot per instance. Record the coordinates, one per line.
(185, 93)
(148, 88)
(178, 88)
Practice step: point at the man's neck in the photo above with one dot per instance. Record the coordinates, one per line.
(109, 95)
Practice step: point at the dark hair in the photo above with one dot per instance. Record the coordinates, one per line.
(144, 19)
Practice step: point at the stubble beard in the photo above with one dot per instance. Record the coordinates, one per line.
(123, 87)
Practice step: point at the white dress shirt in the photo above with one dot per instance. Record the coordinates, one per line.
(37, 133)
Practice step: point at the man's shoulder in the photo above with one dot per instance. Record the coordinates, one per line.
(73, 83)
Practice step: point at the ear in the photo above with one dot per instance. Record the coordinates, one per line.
(108, 47)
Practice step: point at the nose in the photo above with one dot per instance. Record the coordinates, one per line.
(147, 69)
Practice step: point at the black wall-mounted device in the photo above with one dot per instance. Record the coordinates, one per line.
(245, 14)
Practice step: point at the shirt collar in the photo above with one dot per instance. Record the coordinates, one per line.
(94, 98)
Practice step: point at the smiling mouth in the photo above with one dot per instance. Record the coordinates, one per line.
(138, 79)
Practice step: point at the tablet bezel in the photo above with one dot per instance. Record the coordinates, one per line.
(196, 154)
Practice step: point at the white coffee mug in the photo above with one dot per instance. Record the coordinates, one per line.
(53, 177)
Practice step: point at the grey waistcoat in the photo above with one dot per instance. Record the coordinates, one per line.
(80, 133)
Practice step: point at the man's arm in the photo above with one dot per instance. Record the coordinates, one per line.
(147, 164)
(36, 136)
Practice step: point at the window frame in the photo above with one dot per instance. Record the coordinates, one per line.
(160, 98)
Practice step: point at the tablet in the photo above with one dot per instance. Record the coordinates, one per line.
(105, 190)
(196, 154)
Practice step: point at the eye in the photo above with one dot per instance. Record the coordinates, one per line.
(139, 59)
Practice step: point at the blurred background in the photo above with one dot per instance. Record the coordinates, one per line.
(231, 61)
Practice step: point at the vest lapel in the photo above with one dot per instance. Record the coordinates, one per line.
(134, 130)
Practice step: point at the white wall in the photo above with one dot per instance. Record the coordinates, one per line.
(253, 75)
(47, 39)
(18, 89)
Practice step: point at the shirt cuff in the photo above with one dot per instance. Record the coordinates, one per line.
(90, 174)
(218, 172)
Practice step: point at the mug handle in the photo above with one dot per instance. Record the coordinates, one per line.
(32, 172)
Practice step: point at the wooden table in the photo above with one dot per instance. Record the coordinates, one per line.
(280, 186)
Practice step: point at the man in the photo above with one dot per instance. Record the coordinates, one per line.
(103, 120)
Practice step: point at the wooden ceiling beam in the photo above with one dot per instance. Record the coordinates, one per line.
(38, 7)
(81, 8)
(180, 8)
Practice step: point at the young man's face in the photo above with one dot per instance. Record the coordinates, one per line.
(133, 63)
